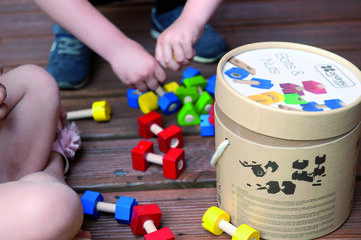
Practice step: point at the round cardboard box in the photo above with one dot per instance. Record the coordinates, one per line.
(288, 169)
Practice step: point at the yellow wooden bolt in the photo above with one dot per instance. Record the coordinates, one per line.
(100, 111)
(216, 221)
(171, 87)
(148, 102)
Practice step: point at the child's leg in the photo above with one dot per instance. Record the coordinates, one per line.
(39, 206)
(28, 131)
(35, 202)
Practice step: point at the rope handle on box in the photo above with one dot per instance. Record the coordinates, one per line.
(219, 151)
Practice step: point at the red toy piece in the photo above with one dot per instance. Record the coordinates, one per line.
(211, 114)
(173, 161)
(151, 124)
(146, 220)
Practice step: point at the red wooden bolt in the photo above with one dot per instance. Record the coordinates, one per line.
(146, 220)
(173, 161)
(151, 124)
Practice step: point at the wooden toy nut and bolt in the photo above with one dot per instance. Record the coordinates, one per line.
(93, 204)
(173, 161)
(151, 124)
(167, 101)
(146, 220)
(216, 221)
(100, 112)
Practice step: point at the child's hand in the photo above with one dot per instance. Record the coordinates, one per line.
(3, 106)
(136, 67)
(175, 46)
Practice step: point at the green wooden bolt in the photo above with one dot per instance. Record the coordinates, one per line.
(198, 81)
(204, 103)
(187, 92)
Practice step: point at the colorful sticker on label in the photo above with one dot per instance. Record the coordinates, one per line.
(292, 79)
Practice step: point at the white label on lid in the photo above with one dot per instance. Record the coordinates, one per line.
(292, 79)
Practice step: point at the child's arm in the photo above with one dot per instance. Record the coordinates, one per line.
(3, 106)
(125, 56)
(175, 46)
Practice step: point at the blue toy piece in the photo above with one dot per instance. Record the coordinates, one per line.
(190, 72)
(132, 97)
(262, 83)
(334, 103)
(89, 201)
(169, 103)
(211, 85)
(207, 129)
(237, 73)
(311, 107)
(122, 209)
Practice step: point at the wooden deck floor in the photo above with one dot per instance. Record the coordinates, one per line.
(103, 163)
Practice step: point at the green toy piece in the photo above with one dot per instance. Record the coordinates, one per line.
(204, 103)
(188, 115)
(198, 81)
(187, 92)
(294, 98)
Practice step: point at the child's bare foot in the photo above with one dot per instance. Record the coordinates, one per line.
(83, 235)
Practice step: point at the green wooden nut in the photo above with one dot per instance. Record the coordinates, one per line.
(148, 102)
(204, 103)
(197, 81)
(183, 92)
(294, 98)
(188, 115)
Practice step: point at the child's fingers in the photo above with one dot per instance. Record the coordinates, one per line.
(2, 93)
(3, 112)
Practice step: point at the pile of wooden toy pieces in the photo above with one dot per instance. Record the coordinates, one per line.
(146, 219)
(193, 102)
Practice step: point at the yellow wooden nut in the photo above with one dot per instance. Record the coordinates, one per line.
(171, 87)
(245, 232)
(148, 102)
(211, 219)
(101, 111)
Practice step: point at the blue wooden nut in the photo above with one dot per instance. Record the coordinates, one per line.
(169, 103)
(124, 209)
(207, 129)
(93, 204)
(89, 201)
(211, 85)
(132, 97)
(190, 72)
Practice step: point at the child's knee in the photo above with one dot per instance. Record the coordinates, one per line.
(60, 202)
(44, 210)
(41, 84)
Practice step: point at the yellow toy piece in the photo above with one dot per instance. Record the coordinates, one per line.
(171, 87)
(148, 102)
(216, 221)
(211, 219)
(101, 111)
(245, 232)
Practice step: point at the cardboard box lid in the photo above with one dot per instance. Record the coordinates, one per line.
(288, 90)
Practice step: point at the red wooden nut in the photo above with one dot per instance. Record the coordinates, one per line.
(173, 161)
(145, 221)
(151, 124)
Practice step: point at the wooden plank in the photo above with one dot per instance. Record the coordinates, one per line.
(108, 165)
(183, 210)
